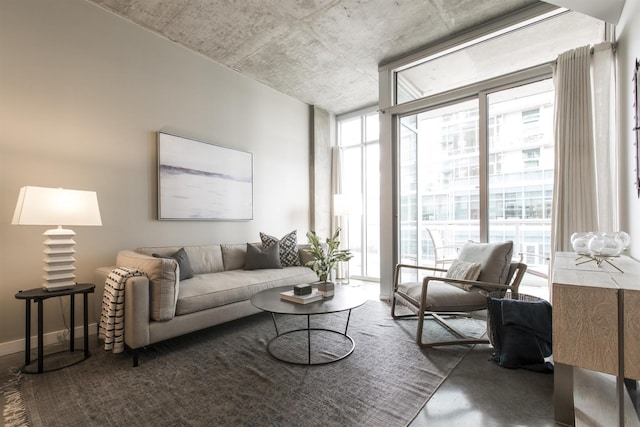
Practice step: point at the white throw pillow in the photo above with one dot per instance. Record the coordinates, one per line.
(463, 270)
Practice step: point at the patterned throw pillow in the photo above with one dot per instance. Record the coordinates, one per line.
(463, 270)
(288, 247)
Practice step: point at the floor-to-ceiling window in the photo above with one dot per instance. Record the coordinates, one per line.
(445, 168)
(472, 129)
(360, 178)
(438, 180)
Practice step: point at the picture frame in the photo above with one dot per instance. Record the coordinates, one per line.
(202, 181)
(636, 123)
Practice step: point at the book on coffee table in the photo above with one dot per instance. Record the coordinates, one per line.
(301, 299)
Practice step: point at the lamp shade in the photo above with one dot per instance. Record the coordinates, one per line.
(56, 206)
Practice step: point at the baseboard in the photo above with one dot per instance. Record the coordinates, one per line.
(55, 337)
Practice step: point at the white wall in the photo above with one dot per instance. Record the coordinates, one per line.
(628, 32)
(82, 94)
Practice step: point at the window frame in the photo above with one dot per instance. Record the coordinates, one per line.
(365, 143)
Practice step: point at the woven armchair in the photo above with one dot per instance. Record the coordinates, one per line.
(481, 268)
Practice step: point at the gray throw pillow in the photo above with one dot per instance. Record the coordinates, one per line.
(186, 272)
(494, 259)
(260, 258)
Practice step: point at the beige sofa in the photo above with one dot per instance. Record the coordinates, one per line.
(159, 305)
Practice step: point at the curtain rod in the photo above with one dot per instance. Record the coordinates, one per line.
(612, 46)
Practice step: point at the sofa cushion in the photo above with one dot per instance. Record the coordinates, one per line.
(213, 290)
(163, 280)
(203, 259)
(262, 257)
(183, 263)
(288, 247)
(234, 256)
(494, 259)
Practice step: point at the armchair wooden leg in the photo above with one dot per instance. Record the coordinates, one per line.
(393, 306)
(461, 337)
(420, 328)
(394, 303)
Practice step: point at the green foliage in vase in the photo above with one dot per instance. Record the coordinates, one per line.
(326, 255)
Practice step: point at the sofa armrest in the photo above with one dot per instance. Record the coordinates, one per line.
(164, 278)
(136, 312)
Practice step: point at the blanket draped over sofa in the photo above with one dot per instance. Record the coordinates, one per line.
(111, 328)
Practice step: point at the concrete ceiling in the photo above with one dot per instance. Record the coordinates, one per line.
(322, 52)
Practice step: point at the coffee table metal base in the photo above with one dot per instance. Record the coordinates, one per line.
(309, 331)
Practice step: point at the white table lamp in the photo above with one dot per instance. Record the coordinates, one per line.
(57, 206)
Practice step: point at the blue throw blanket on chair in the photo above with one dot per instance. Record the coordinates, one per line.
(521, 333)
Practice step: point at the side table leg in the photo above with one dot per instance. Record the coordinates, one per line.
(72, 322)
(86, 325)
(40, 339)
(27, 334)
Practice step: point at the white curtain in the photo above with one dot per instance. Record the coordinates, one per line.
(336, 184)
(585, 190)
(606, 151)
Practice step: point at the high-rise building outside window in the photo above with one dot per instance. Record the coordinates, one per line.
(440, 170)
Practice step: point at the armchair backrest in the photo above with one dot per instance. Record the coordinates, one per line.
(494, 259)
(516, 273)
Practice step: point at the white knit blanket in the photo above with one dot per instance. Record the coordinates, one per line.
(111, 328)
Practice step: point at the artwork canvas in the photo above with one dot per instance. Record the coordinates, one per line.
(201, 181)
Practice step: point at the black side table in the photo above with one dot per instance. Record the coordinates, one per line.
(39, 295)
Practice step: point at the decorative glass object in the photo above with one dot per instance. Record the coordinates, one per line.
(580, 242)
(626, 239)
(600, 247)
(606, 245)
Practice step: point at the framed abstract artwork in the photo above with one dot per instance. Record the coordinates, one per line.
(201, 181)
(636, 122)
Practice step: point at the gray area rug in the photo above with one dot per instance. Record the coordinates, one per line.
(224, 376)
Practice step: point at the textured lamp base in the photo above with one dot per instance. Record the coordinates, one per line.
(59, 260)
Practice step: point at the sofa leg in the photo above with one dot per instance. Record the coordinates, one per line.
(135, 352)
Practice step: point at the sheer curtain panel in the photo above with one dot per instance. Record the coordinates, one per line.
(606, 143)
(574, 192)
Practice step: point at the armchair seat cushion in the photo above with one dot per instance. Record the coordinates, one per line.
(442, 297)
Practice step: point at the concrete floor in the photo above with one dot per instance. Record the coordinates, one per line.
(480, 393)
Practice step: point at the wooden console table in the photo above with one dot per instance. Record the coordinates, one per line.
(596, 326)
